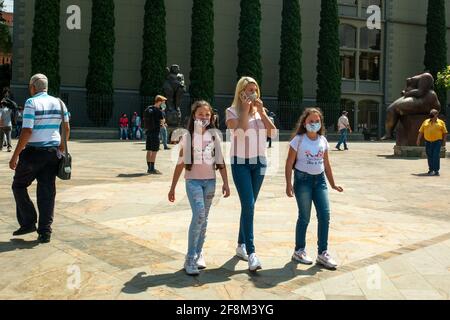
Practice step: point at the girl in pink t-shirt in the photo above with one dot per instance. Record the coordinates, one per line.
(200, 155)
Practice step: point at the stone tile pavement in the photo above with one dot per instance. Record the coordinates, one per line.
(117, 237)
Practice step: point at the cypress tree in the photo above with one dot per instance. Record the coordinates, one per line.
(45, 42)
(249, 42)
(202, 51)
(436, 45)
(99, 81)
(328, 94)
(154, 54)
(290, 86)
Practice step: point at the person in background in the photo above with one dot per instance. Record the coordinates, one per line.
(136, 123)
(435, 133)
(19, 121)
(153, 119)
(123, 124)
(163, 133)
(344, 129)
(7, 108)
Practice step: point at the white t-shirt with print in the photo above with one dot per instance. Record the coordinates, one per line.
(310, 153)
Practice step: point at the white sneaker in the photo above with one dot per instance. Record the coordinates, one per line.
(190, 266)
(253, 262)
(302, 257)
(241, 252)
(326, 260)
(201, 264)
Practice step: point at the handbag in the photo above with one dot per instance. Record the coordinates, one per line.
(65, 163)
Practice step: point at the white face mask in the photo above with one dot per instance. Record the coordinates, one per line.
(202, 123)
(313, 127)
(163, 106)
(253, 96)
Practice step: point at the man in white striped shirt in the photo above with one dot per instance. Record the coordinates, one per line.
(36, 158)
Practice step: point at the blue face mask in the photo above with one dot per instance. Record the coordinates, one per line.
(314, 127)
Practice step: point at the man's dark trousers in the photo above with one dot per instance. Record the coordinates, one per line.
(39, 164)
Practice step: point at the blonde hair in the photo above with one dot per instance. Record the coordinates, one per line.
(240, 86)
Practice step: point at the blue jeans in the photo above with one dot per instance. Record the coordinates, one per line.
(343, 138)
(123, 133)
(308, 189)
(248, 178)
(433, 150)
(200, 194)
(135, 129)
(163, 136)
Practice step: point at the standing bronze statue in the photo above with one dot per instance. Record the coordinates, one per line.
(174, 89)
(418, 99)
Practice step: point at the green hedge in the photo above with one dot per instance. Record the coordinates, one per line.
(45, 42)
(99, 81)
(249, 42)
(328, 63)
(154, 53)
(202, 51)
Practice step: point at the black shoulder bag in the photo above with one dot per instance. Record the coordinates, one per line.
(65, 163)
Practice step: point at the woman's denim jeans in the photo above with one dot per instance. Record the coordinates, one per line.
(200, 194)
(248, 176)
(311, 189)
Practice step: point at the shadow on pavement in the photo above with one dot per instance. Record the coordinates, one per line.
(132, 175)
(17, 244)
(393, 157)
(264, 279)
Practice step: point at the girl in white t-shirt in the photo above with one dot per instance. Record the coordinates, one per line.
(200, 155)
(308, 156)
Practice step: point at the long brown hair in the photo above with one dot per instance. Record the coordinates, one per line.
(217, 153)
(301, 128)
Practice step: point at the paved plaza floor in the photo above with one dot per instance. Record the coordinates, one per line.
(117, 237)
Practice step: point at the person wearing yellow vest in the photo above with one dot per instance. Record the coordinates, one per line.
(435, 133)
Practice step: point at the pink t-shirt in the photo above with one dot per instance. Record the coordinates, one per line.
(254, 143)
(203, 156)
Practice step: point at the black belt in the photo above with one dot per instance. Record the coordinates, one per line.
(49, 149)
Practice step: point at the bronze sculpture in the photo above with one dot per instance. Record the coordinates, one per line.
(174, 89)
(418, 99)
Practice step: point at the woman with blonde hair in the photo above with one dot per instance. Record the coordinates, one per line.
(250, 126)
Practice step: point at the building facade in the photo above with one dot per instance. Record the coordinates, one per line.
(374, 63)
(6, 57)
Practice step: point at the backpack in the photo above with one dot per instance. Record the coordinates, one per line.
(149, 119)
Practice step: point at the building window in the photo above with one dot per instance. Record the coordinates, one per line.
(369, 66)
(370, 39)
(367, 3)
(347, 36)
(348, 64)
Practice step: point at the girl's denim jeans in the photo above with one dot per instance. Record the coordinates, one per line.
(200, 194)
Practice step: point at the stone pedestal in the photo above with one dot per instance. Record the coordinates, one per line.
(414, 152)
(408, 129)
